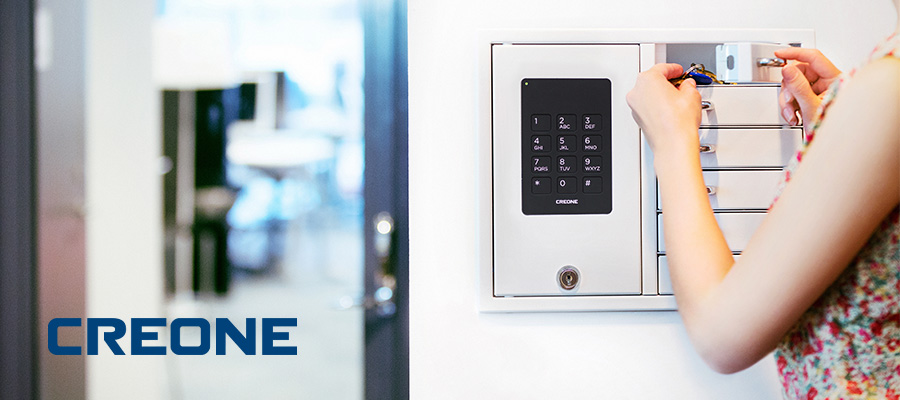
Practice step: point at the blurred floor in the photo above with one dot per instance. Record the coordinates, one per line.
(323, 261)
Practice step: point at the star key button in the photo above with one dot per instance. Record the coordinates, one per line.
(541, 186)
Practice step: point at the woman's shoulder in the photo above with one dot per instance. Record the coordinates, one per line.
(875, 87)
(883, 69)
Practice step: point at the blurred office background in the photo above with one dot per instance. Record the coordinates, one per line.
(222, 159)
(274, 91)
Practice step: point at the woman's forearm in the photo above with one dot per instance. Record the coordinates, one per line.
(699, 257)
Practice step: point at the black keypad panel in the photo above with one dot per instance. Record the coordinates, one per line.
(566, 146)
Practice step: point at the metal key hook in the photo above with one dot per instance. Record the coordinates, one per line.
(771, 62)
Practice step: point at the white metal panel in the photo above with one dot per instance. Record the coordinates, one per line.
(749, 147)
(650, 54)
(738, 228)
(665, 281)
(737, 62)
(741, 190)
(741, 105)
(530, 250)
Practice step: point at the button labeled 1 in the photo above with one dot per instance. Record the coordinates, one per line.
(540, 122)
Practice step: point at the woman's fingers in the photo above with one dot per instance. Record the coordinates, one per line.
(788, 106)
(806, 55)
(816, 60)
(668, 70)
(799, 88)
(808, 72)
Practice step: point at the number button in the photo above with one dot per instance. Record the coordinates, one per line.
(591, 143)
(540, 122)
(566, 143)
(540, 164)
(566, 186)
(540, 144)
(593, 184)
(593, 164)
(566, 164)
(565, 123)
(590, 122)
(541, 186)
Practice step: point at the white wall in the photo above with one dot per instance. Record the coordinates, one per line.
(457, 353)
(123, 191)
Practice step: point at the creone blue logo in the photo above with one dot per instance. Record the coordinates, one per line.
(224, 328)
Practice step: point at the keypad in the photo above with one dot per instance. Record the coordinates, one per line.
(566, 152)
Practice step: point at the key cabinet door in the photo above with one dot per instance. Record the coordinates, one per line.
(566, 157)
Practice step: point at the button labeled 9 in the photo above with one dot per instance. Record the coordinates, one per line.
(593, 164)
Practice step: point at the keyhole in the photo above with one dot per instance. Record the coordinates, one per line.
(568, 277)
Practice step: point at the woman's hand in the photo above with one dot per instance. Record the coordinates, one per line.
(804, 82)
(668, 116)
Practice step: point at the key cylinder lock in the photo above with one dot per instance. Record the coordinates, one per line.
(568, 277)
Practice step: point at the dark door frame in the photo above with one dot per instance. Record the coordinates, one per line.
(18, 203)
(386, 190)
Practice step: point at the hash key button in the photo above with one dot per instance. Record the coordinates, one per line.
(593, 184)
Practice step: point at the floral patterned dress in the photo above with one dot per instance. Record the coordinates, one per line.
(847, 345)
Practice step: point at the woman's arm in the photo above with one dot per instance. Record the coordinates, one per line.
(735, 313)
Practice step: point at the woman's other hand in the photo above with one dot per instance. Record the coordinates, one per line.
(668, 116)
(804, 82)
